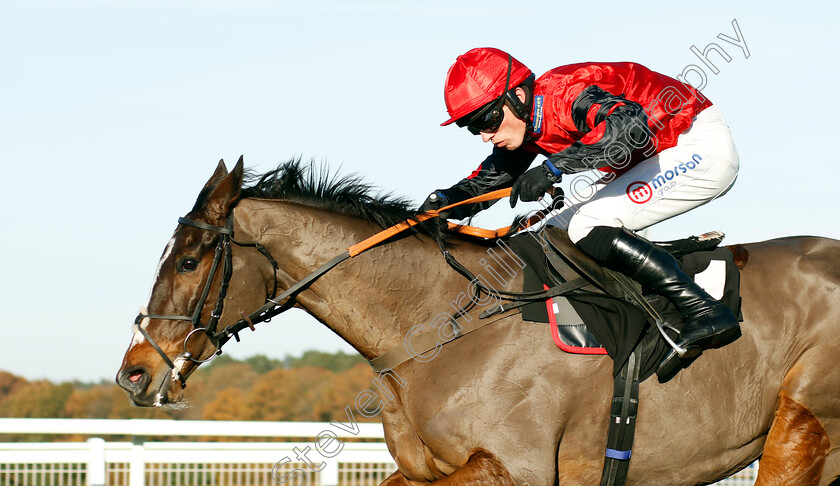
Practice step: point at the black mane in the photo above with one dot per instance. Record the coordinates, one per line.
(316, 187)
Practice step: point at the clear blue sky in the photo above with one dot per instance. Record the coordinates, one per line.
(113, 114)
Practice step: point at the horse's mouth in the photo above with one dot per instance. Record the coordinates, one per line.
(143, 391)
(161, 399)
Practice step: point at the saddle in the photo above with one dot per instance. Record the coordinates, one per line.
(613, 314)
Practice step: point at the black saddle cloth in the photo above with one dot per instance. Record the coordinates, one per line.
(617, 324)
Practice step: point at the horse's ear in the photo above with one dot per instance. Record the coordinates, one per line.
(221, 171)
(225, 194)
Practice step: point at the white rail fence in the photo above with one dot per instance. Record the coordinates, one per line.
(324, 457)
(327, 458)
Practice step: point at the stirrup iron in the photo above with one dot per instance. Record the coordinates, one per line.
(681, 351)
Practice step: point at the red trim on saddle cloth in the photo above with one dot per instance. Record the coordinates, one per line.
(555, 334)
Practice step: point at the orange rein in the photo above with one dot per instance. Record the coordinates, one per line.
(274, 306)
(457, 228)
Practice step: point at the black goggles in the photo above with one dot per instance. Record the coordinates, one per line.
(486, 119)
(489, 117)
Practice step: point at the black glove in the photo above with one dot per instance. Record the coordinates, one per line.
(435, 201)
(532, 185)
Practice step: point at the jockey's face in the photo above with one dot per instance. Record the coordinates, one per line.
(511, 132)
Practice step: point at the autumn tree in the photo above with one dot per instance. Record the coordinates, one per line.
(336, 362)
(9, 384)
(37, 399)
(315, 387)
(204, 385)
(93, 402)
(342, 392)
(262, 364)
(107, 400)
(285, 394)
(229, 404)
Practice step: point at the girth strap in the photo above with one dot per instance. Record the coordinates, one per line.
(625, 405)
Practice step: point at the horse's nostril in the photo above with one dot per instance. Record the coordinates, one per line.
(135, 376)
(133, 379)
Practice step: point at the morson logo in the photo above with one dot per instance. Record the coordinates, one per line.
(641, 192)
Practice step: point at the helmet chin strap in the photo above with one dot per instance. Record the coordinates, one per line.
(522, 110)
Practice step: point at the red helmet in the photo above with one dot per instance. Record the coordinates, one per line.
(477, 78)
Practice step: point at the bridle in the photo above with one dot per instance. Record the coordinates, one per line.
(277, 304)
(223, 250)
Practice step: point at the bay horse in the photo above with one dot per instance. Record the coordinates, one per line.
(500, 406)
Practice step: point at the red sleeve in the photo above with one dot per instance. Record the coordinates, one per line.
(475, 172)
(597, 131)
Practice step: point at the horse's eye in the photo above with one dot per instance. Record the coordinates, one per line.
(187, 265)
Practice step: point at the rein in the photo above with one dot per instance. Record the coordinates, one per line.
(274, 306)
(277, 304)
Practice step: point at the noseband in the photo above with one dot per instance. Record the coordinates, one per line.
(223, 249)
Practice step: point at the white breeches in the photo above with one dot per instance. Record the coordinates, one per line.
(700, 168)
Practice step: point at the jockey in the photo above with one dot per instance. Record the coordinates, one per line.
(661, 147)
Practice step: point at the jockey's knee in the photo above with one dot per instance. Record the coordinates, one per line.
(581, 224)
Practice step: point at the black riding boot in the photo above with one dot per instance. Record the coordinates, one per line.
(706, 322)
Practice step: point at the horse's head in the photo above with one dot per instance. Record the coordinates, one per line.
(188, 297)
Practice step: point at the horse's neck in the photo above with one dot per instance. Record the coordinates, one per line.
(370, 300)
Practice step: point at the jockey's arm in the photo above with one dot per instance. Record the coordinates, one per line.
(497, 171)
(607, 120)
